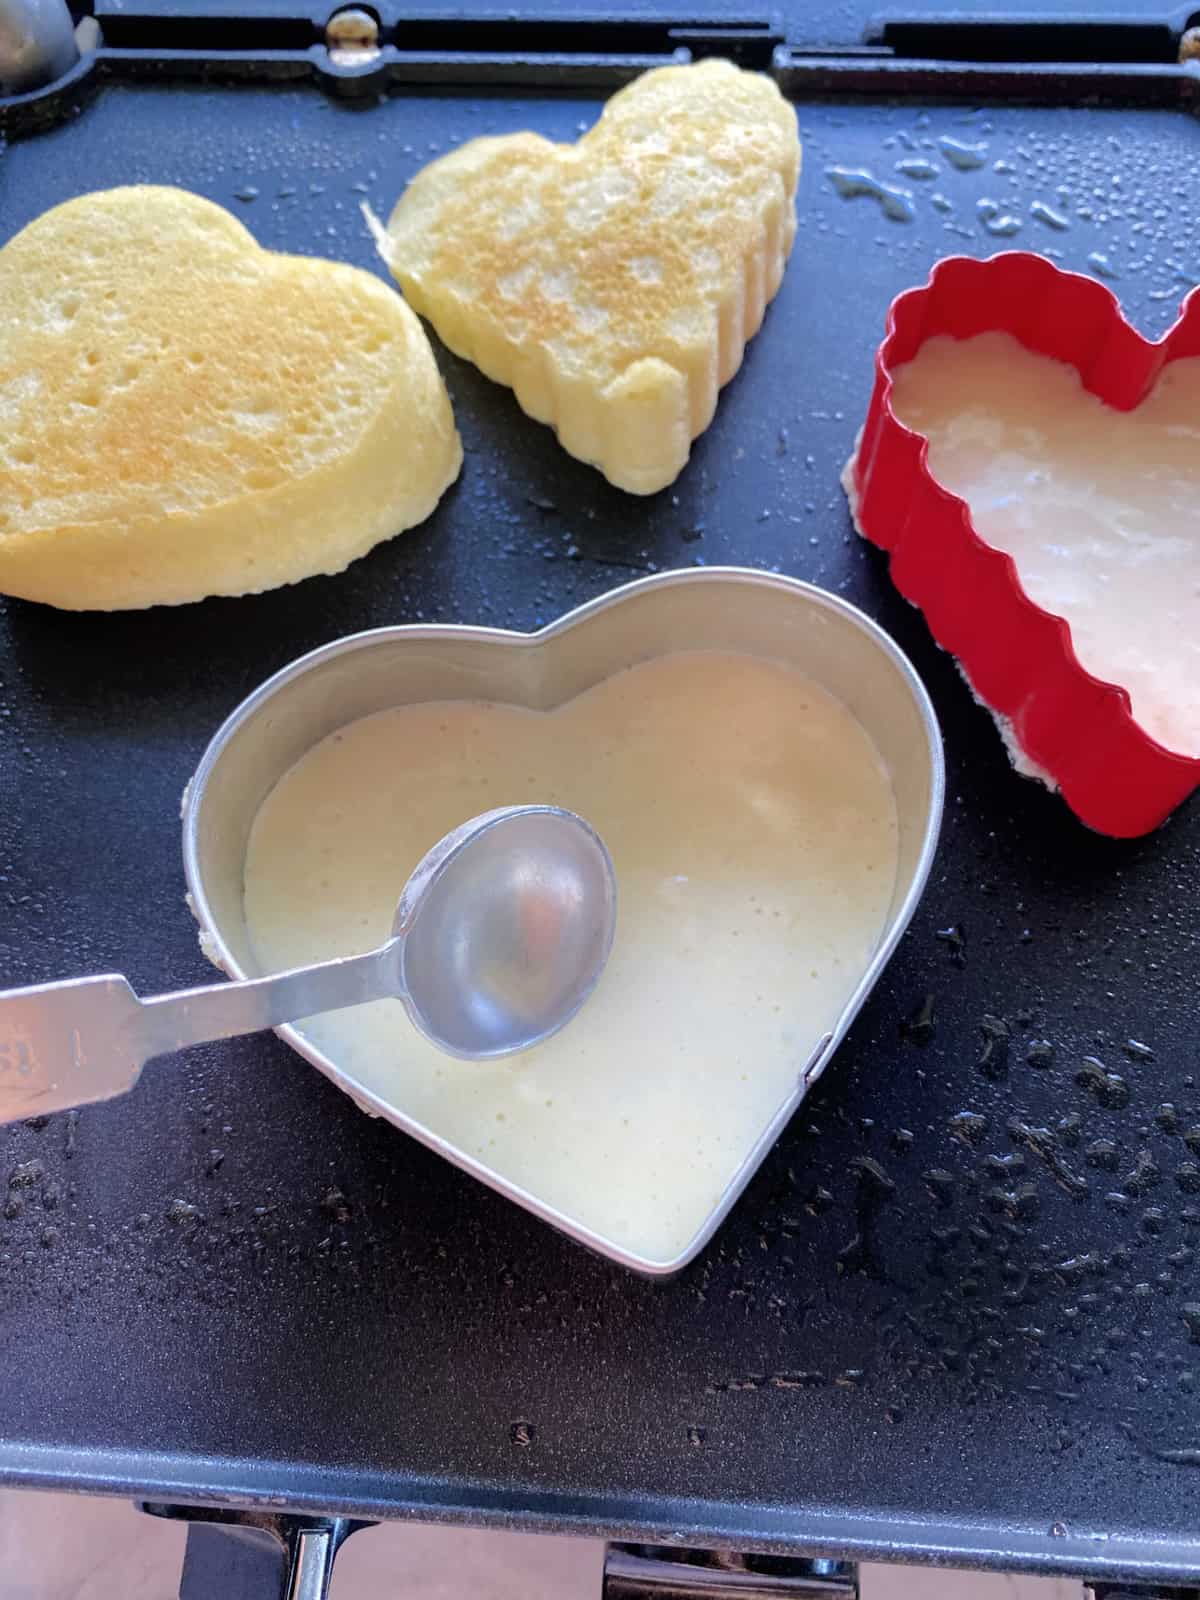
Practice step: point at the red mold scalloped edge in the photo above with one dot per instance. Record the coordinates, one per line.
(1018, 658)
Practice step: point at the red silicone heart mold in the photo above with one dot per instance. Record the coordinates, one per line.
(1018, 658)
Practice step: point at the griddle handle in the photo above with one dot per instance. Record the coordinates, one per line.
(256, 1555)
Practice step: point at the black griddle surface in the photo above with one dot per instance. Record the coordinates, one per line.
(910, 1335)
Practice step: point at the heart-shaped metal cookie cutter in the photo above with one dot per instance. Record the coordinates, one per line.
(730, 609)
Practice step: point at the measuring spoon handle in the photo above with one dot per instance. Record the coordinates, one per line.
(86, 1039)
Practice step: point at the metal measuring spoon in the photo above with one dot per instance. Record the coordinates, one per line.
(500, 936)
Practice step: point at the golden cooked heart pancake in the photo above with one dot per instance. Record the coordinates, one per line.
(183, 413)
(612, 283)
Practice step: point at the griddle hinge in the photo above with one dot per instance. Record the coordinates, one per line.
(670, 1572)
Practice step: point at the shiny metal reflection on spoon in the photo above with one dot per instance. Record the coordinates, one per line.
(500, 936)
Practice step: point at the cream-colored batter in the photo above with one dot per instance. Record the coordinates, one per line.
(1097, 507)
(753, 830)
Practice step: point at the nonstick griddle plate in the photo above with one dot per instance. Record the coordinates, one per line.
(956, 1312)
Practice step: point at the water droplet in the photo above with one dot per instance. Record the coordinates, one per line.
(851, 182)
(1145, 1175)
(1102, 1153)
(874, 1184)
(965, 157)
(1109, 1089)
(919, 167)
(1101, 265)
(918, 1027)
(968, 1126)
(1020, 1204)
(1001, 224)
(1070, 1128)
(1040, 1141)
(1040, 1053)
(940, 1184)
(1041, 212)
(993, 1058)
(1006, 1168)
(335, 1203)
